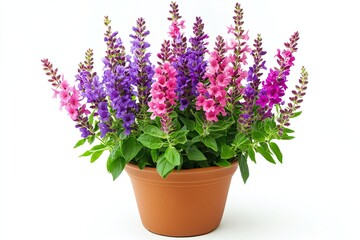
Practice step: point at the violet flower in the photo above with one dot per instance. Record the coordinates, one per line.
(273, 89)
(118, 82)
(93, 90)
(141, 71)
(191, 66)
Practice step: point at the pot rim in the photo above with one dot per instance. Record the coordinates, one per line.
(202, 176)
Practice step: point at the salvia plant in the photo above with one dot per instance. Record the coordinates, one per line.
(195, 107)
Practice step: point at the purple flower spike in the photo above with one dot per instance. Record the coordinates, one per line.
(141, 71)
(190, 66)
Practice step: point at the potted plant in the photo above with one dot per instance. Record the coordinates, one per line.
(182, 126)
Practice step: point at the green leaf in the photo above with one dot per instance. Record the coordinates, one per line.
(270, 126)
(251, 153)
(240, 140)
(194, 154)
(227, 152)
(179, 137)
(96, 155)
(203, 164)
(85, 154)
(115, 165)
(210, 143)
(244, 169)
(164, 167)
(286, 137)
(154, 131)
(190, 124)
(222, 163)
(196, 139)
(199, 119)
(173, 114)
(288, 130)
(96, 127)
(220, 126)
(130, 148)
(98, 147)
(258, 136)
(91, 139)
(172, 156)
(265, 146)
(142, 163)
(154, 155)
(150, 141)
(91, 118)
(122, 135)
(217, 135)
(265, 153)
(296, 114)
(116, 152)
(199, 129)
(276, 150)
(80, 143)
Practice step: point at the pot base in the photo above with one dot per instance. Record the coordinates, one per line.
(186, 203)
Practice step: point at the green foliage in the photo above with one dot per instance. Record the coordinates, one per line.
(172, 156)
(96, 155)
(164, 167)
(244, 169)
(154, 131)
(276, 150)
(130, 148)
(178, 137)
(222, 163)
(150, 141)
(80, 143)
(194, 154)
(116, 163)
(210, 143)
(227, 152)
(265, 153)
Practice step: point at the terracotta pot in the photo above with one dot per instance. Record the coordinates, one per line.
(186, 203)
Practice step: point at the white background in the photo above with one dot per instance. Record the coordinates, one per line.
(47, 192)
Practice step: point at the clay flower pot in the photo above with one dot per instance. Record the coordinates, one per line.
(186, 203)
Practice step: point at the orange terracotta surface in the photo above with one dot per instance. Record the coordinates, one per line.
(186, 203)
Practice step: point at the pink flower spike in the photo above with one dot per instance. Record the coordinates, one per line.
(158, 70)
(245, 36)
(211, 116)
(231, 45)
(199, 101)
(230, 29)
(56, 93)
(215, 91)
(182, 24)
(201, 89)
(208, 105)
(64, 94)
(84, 110)
(243, 59)
(171, 84)
(161, 80)
(222, 80)
(160, 109)
(74, 102)
(64, 84)
(213, 64)
(73, 113)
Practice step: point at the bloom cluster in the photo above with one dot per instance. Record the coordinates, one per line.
(212, 99)
(194, 106)
(163, 95)
(69, 98)
(191, 66)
